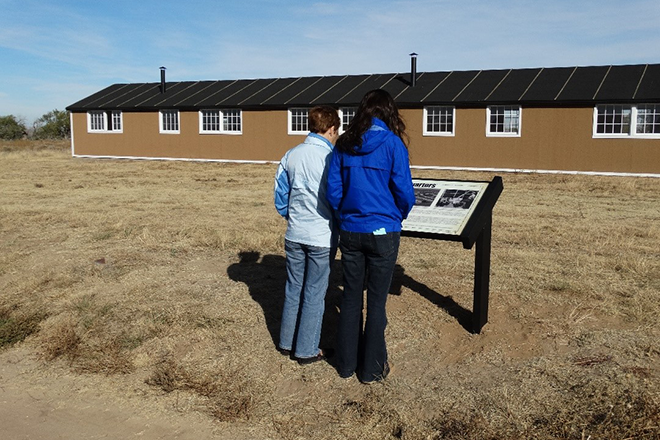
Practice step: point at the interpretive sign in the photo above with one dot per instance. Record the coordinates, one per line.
(442, 206)
(458, 211)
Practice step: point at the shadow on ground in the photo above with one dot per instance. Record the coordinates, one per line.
(265, 277)
(445, 302)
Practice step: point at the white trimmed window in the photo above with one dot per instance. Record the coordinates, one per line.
(116, 123)
(439, 121)
(503, 120)
(647, 121)
(221, 121)
(232, 121)
(104, 121)
(209, 121)
(615, 121)
(169, 121)
(346, 115)
(96, 121)
(612, 120)
(298, 121)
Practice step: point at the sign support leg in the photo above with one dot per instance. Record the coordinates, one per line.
(481, 277)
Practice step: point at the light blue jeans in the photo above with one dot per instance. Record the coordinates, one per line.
(308, 272)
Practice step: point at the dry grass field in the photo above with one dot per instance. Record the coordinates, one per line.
(161, 283)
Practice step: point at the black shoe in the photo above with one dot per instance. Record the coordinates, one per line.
(386, 371)
(384, 374)
(323, 355)
(346, 375)
(284, 351)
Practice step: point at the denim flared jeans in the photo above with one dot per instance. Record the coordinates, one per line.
(359, 349)
(308, 271)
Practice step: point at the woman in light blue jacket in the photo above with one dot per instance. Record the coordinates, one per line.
(370, 188)
(310, 238)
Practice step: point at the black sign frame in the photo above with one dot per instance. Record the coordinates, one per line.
(477, 231)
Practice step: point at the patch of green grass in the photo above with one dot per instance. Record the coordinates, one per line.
(16, 327)
(103, 235)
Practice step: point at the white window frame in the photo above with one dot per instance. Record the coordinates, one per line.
(97, 122)
(291, 119)
(425, 122)
(226, 124)
(117, 121)
(108, 120)
(656, 115)
(223, 122)
(632, 125)
(161, 122)
(490, 133)
(346, 113)
(216, 114)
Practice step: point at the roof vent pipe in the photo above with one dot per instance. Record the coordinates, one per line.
(162, 80)
(413, 69)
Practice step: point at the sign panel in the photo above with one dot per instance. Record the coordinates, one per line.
(443, 206)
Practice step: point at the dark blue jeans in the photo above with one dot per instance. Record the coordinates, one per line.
(359, 349)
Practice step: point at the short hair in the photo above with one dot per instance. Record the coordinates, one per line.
(322, 118)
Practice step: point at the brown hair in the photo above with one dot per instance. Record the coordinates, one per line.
(322, 118)
(379, 104)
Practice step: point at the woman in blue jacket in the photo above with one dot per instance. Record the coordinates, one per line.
(371, 191)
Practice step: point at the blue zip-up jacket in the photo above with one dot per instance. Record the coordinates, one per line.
(299, 193)
(372, 189)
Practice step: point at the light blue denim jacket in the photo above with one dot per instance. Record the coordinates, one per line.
(300, 187)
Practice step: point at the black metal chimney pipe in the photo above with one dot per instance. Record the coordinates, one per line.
(413, 69)
(162, 80)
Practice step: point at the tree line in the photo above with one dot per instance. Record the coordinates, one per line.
(53, 125)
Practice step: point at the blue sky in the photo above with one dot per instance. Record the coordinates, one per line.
(54, 53)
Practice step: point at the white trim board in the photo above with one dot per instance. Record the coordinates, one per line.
(183, 159)
(73, 151)
(529, 171)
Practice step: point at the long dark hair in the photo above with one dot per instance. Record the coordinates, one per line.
(376, 103)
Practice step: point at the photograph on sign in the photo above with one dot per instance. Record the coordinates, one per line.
(443, 206)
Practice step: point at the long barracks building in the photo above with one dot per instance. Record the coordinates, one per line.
(597, 119)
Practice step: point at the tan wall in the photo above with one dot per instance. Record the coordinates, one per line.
(264, 138)
(552, 139)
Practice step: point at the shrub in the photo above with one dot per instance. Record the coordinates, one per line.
(53, 125)
(12, 128)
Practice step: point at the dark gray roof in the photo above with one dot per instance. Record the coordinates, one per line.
(542, 86)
